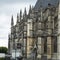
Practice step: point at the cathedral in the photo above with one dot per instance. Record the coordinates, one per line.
(36, 35)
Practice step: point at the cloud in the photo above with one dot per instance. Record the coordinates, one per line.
(6, 2)
(4, 29)
(15, 1)
(7, 8)
(3, 42)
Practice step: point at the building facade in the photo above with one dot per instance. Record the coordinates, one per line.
(36, 35)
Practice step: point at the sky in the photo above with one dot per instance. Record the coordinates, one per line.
(7, 9)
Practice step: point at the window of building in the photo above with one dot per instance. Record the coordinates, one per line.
(19, 45)
(39, 49)
(30, 26)
(25, 34)
(39, 17)
(31, 42)
(40, 31)
(39, 40)
(45, 46)
(13, 45)
(31, 33)
(39, 25)
(55, 45)
(25, 28)
(24, 42)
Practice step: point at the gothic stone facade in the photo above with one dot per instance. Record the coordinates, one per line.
(37, 34)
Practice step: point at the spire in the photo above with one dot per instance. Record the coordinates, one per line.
(12, 22)
(25, 12)
(9, 37)
(18, 18)
(20, 14)
(30, 9)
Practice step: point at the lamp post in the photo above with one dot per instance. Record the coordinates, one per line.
(34, 53)
(15, 51)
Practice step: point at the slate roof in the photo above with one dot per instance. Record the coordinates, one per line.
(44, 3)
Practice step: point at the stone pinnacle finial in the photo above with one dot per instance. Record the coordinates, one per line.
(20, 14)
(12, 22)
(30, 9)
(18, 18)
(25, 12)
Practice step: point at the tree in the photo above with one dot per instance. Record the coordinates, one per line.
(3, 50)
(2, 58)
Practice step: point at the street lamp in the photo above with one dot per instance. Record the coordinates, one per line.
(15, 51)
(34, 53)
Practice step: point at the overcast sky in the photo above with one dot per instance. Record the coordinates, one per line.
(7, 9)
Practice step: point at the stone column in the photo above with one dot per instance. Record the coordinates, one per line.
(40, 39)
(49, 38)
(49, 47)
(40, 50)
(58, 40)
